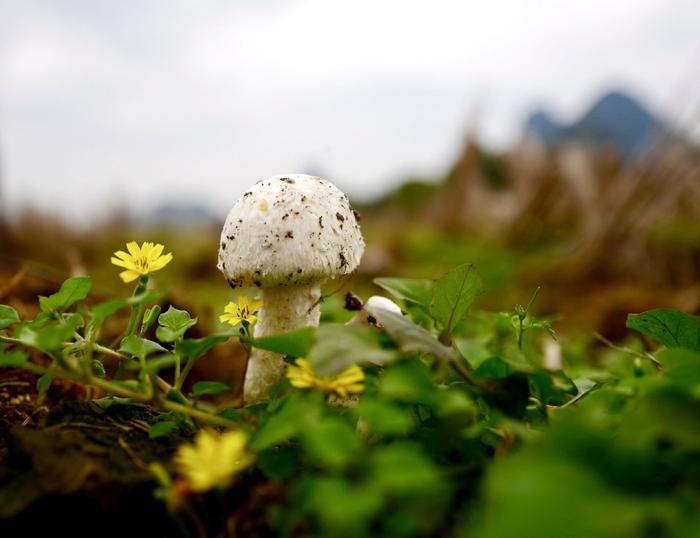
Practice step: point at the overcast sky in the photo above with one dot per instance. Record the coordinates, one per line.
(135, 103)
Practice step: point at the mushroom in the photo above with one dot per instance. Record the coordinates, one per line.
(364, 315)
(286, 236)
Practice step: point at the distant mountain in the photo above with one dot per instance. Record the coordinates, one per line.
(615, 119)
(181, 214)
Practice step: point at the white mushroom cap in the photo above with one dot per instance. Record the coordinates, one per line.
(382, 303)
(366, 316)
(288, 230)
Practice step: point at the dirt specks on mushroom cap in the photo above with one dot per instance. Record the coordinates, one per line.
(307, 232)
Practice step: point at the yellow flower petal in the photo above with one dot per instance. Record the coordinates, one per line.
(157, 251)
(133, 248)
(147, 249)
(161, 262)
(243, 310)
(140, 260)
(302, 375)
(129, 276)
(213, 459)
(231, 319)
(120, 263)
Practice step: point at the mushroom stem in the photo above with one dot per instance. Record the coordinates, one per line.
(285, 308)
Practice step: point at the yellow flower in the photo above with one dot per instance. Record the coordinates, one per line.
(140, 260)
(349, 381)
(213, 459)
(245, 310)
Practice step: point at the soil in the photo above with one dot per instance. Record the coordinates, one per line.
(71, 467)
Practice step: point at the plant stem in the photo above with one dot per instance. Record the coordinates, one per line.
(461, 370)
(199, 414)
(136, 311)
(185, 372)
(532, 299)
(523, 315)
(162, 383)
(177, 369)
(645, 355)
(114, 388)
(520, 332)
(10, 340)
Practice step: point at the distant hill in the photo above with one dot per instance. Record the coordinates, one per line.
(180, 214)
(615, 119)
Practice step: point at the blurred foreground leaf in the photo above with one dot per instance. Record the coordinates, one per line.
(16, 357)
(8, 316)
(294, 343)
(411, 337)
(339, 346)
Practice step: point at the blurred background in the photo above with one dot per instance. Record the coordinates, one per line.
(552, 144)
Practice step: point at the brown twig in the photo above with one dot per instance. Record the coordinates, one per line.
(645, 355)
(130, 452)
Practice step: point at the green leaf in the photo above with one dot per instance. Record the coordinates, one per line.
(45, 304)
(161, 429)
(297, 412)
(342, 508)
(411, 337)
(157, 363)
(16, 357)
(197, 347)
(493, 367)
(149, 318)
(552, 388)
(8, 316)
(544, 493)
(49, 335)
(26, 335)
(403, 469)
(385, 418)
(331, 443)
(201, 388)
(545, 325)
(173, 324)
(146, 297)
(294, 343)
(339, 346)
(72, 290)
(175, 396)
(112, 401)
(681, 367)
(43, 384)
(139, 347)
(278, 463)
(453, 294)
(98, 368)
(454, 403)
(668, 327)
(409, 289)
(102, 311)
(408, 381)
